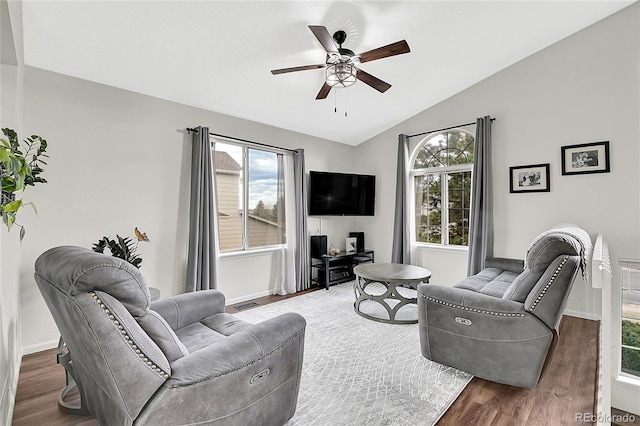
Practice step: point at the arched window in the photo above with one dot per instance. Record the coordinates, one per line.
(441, 168)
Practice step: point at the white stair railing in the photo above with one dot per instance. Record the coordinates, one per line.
(601, 278)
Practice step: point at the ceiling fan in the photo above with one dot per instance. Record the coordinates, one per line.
(341, 64)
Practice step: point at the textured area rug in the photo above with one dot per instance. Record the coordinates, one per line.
(362, 372)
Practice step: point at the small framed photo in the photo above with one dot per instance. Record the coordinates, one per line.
(533, 178)
(352, 242)
(585, 158)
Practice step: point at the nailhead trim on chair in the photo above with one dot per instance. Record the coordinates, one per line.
(551, 280)
(128, 339)
(465, 308)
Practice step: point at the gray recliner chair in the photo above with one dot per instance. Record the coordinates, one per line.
(502, 323)
(179, 360)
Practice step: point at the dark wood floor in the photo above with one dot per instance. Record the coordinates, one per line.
(568, 387)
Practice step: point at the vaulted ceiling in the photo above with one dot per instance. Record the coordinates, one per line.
(217, 55)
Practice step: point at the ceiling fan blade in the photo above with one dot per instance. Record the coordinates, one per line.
(324, 92)
(372, 81)
(302, 68)
(325, 39)
(392, 49)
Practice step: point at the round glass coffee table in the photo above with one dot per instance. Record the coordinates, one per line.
(391, 276)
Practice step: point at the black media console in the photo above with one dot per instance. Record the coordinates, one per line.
(337, 269)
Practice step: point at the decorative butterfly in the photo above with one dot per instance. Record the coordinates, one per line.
(141, 236)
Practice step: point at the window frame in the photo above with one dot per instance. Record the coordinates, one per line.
(630, 265)
(443, 171)
(245, 249)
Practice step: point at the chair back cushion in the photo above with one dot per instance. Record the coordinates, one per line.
(95, 300)
(75, 270)
(539, 262)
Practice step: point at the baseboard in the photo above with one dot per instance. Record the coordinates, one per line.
(8, 398)
(583, 315)
(7, 403)
(39, 347)
(248, 297)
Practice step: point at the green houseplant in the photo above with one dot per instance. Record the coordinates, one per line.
(124, 248)
(20, 167)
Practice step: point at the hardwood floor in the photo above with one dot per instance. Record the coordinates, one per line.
(568, 387)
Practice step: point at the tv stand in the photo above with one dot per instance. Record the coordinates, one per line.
(337, 269)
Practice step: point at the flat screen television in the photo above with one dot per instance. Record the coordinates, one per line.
(341, 194)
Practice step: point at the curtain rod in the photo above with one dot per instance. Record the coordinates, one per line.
(189, 129)
(442, 130)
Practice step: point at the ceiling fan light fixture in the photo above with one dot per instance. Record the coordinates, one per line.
(341, 75)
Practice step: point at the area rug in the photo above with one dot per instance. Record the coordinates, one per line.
(362, 372)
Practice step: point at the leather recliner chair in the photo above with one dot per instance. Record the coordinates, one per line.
(178, 360)
(502, 323)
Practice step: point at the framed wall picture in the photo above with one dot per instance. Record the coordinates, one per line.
(533, 178)
(585, 158)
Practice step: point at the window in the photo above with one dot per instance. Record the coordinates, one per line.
(250, 194)
(441, 172)
(630, 286)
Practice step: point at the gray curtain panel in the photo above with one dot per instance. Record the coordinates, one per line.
(481, 215)
(303, 281)
(280, 210)
(401, 249)
(203, 244)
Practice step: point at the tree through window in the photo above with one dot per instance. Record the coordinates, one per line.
(441, 173)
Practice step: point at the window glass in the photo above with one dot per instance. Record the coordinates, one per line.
(266, 194)
(429, 208)
(250, 195)
(459, 185)
(630, 286)
(229, 182)
(442, 188)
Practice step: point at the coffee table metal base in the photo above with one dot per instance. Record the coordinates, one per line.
(390, 294)
(390, 275)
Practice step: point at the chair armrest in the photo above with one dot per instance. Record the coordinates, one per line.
(239, 350)
(513, 265)
(188, 308)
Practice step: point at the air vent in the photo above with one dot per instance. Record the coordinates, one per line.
(246, 306)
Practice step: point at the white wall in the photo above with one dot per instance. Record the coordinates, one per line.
(580, 90)
(11, 71)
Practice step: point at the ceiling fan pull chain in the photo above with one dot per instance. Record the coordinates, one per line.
(335, 102)
(345, 103)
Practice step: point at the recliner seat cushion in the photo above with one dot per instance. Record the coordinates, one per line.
(489, 281)
(210, 330)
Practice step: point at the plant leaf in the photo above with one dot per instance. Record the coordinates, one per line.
(9, 219)
(12, 206)
(22, 232)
